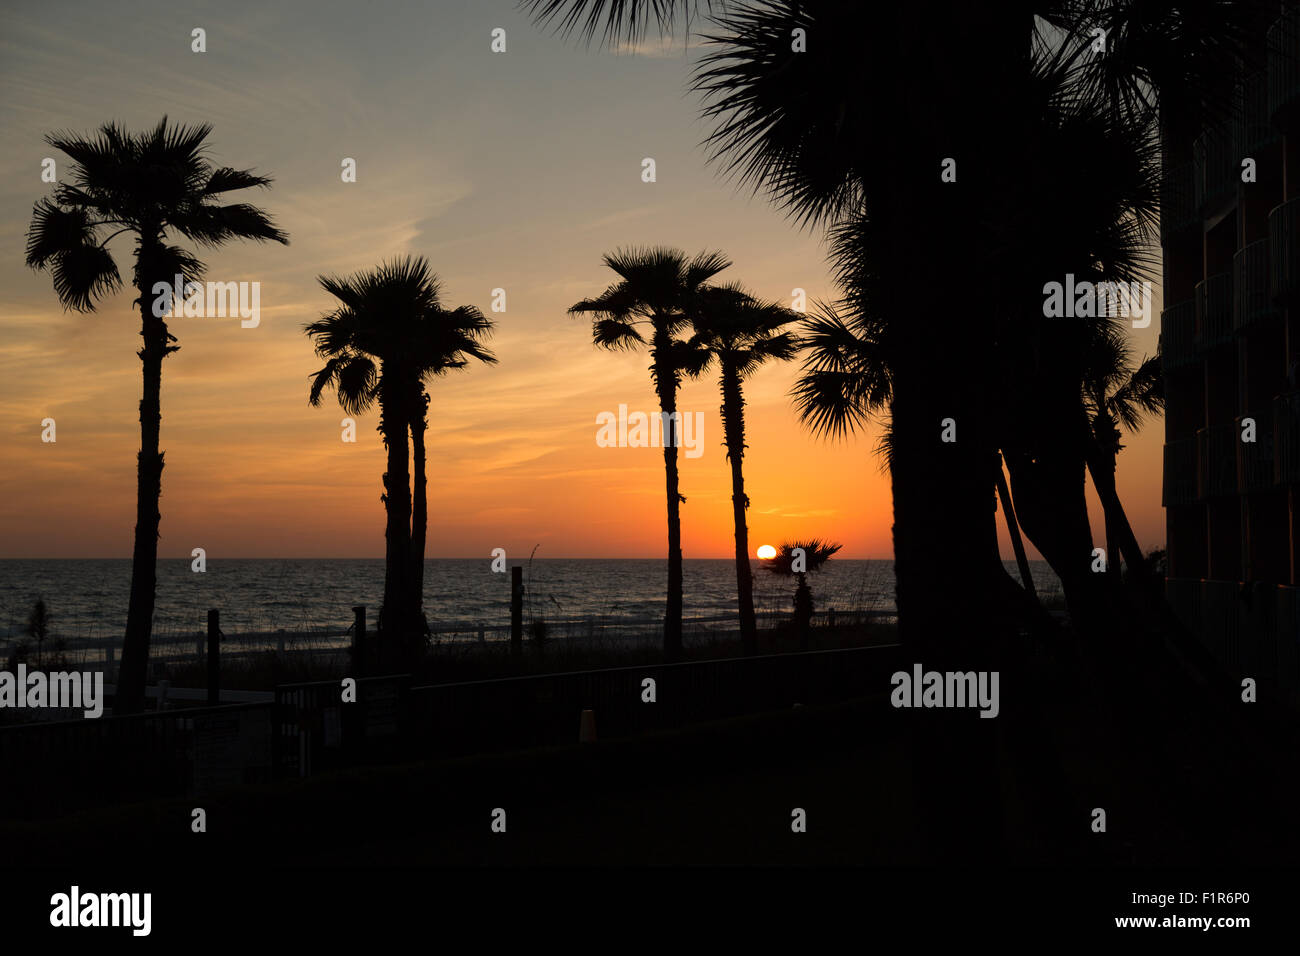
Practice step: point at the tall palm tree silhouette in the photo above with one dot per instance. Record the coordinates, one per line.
(381, 345)
(443, 340)
(835, 139)
(1044, 363)
(832, 134)
(742, 334)
(860, 120)
(658, 288)
(148, 185)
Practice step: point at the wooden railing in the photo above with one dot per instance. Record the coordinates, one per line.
(1284, 64)
(1214, 311)
(1284, 247)
(1252, 301)
(1286, 438)
(1251, 628)
(1251, 128)
(1255, 458)
(1216, 460)
(316, 730)
(1215, 168)
(168, 753)
(310, 728)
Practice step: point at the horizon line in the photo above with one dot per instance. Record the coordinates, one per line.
(487, 557)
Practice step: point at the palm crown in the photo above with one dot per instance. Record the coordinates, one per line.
(1116, 392)
(146, 183)
(742, 332)
(392, 315)
(816, 553)
(659, 288)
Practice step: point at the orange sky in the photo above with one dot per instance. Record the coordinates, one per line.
(464, 157)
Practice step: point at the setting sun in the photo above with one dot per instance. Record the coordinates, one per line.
(766, 551)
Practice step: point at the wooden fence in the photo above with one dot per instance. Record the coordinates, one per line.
(308, 728)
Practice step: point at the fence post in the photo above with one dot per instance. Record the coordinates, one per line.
(516, 609)
(359, 640)
(214, 657)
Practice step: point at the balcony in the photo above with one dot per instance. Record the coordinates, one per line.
(1286, 439)
(1177, 336)
(1178, 199)
(1213, 311)
(1216, 170)
(1254, 630)
(1180, 473)
(1284, 248)
(1255, 459)
(1284, 68)
(1216, 461)
(1252, 302)
(1251, 129)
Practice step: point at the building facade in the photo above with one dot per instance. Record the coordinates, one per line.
(1230, 344)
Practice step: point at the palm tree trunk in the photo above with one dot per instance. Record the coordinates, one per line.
(133, 672)
(1052, 507)
(940, 349)
(395, 622)
(733, 424)
(673, 611)
(803, 612)
(1013, 529)
(1120, 539)
(420, 505)
(666, 385)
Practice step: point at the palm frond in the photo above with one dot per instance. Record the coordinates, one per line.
(612, 19)
(615, 335)
(83, 274)
(214, 225)
(816, 553)
(225, 179)
(846, 379)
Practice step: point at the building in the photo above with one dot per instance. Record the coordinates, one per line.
(1230, 341)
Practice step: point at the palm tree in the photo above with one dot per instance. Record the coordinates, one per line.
(835, 133)
(859, 129)
(393, 315)
(813, 555)
(742, 333)
(833, 138)
(1116, 394)
(443, 340)
(367, 344)
(148, 185)
(658, 289)
(845, 386)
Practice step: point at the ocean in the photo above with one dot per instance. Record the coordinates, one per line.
(87, 598)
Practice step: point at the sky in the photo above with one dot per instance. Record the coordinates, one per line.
(514, 170)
